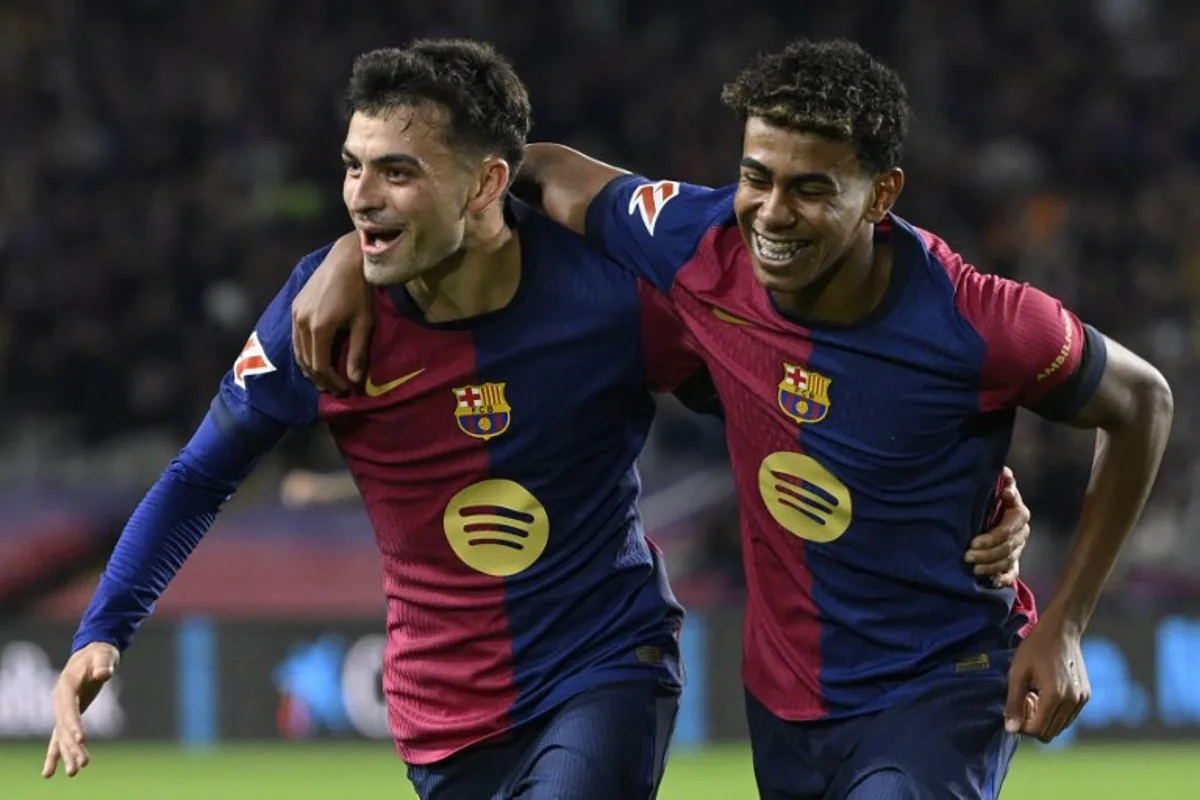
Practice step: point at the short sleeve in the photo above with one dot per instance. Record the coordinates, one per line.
(1038, 354)
(653, 228)
(265, 392)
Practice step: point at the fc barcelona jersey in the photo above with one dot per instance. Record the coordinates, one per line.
(496, 457)
(866, 455)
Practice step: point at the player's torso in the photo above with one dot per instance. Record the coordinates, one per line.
(864, 469)
(497, 461)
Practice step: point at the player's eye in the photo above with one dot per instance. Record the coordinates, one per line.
(395, 175)
(757, 181)
(352, 168)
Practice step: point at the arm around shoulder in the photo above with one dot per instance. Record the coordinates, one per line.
(567, 180)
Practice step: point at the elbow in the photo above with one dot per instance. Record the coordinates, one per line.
(538, 155)
(1155, 397)
(1152, 404)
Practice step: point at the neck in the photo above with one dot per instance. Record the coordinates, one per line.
(849, 290)
(481, 277)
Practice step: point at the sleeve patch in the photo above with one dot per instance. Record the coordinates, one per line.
(252, 361)
(650, 199)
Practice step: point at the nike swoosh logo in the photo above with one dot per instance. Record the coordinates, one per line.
(725, 316)
(380, 391)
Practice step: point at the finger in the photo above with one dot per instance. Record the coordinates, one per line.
(300, 342)
(1083, 701)
(82, 759)
(310, 356)
(1014, 501)
(73, 750)
(1067, 710)
(1048, 702)
(1007, 474)
(297, 340)
(1014, 704)
(360, 341)
(71, 747)
(323, 366)
(51, 762)
(993, 561)
(67, 715)
(65, 752)
(1013, 526)
(1009, 578)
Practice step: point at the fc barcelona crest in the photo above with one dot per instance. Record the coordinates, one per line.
(803, 395)
(482, 411)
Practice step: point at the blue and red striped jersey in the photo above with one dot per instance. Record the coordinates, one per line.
(866, 455)
(496, 457)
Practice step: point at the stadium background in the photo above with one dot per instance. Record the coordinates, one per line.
(163, 164)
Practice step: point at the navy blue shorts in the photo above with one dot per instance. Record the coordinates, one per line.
(946, 741)
(610, 742)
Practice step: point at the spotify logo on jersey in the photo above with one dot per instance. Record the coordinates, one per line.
(804, 497)
(497, 527)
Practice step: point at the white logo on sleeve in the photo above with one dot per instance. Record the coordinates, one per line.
(252, 361)
(650, 199)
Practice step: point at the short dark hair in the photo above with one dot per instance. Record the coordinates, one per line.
(487, 103)
(833, 88)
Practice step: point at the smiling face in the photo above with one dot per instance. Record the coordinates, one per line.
(804, 202)
(406, 191)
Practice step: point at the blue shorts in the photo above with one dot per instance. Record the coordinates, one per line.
(610, 742)
(945, 741)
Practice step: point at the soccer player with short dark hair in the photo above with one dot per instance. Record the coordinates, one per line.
(532, 643)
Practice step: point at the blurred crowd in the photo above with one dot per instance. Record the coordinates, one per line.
(163, 164)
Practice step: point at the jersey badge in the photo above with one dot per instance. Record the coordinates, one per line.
(803, 394)
(482, 411)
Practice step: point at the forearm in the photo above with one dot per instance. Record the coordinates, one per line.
(567, 179)
(160, 535)
(1123, 472)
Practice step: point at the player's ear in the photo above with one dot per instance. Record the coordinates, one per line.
(884, 192)
(490, 185)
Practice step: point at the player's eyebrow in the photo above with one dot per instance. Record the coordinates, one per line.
(386, 160)
(792, 180)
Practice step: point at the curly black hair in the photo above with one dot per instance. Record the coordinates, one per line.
(488, 105)
(833, 88)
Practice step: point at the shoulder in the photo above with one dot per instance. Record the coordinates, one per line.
(671, 212)
(963, 289)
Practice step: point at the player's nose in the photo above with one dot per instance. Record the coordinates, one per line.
(776, 213)
(364, 195)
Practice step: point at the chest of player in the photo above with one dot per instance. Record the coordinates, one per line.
(878, 404)
(516, 397)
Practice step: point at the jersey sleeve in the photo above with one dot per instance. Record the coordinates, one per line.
(671, 357)
(654, 228)
(163, 531)
(1038, 354)
(260, 398)
(264, 393)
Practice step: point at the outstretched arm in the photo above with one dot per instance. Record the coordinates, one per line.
(567, 181)
(260, 398)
